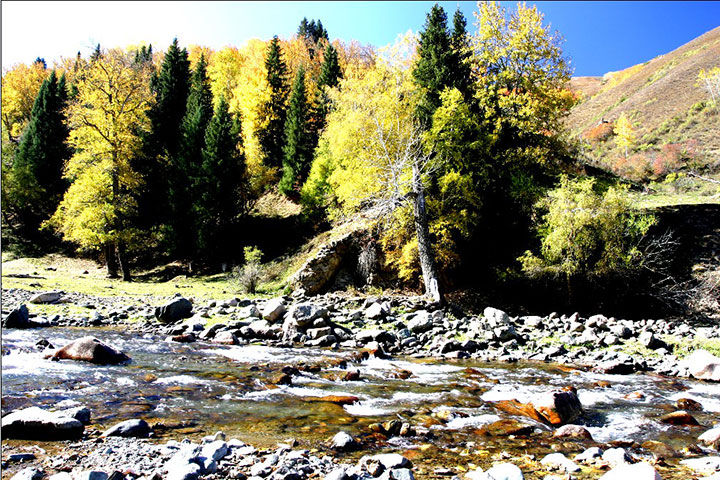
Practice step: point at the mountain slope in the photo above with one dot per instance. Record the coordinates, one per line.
(661, 97)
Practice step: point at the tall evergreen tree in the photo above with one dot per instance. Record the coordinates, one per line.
(199, 111)
(218, 183)
(434, 68)
(298, 143)
(271, 137)
(161, 145)
(330, 73)
(460, 45)
(40, 157)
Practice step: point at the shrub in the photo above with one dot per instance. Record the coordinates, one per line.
(599, 133)
(583, 232)
(248, 276)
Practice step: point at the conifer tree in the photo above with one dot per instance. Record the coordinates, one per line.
(460, 45)
(161, 145)
(271, 136)
(434, 68)
(330, 73)
(298, 143)
(199, 111)
(218, 182)
(40, 157)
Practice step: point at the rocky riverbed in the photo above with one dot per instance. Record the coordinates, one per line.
(483, 421)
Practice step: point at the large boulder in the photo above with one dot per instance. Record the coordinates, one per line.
(421, 322)
(703, 365)
(274, 309)
(47, 297)
(34, 423)
(136, 428)
(174, 311)
(305, 313)
(318, 273)
(18, 318)
(90, 349)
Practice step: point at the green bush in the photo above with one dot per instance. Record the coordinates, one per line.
(586, 233)
(248, 276)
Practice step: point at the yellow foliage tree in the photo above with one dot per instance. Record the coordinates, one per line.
(20, 86)
(106, 119)
(624, 133)
(711, 81)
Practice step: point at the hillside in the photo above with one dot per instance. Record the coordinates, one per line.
(663, 100)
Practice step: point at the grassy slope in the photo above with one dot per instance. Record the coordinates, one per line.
(654, 92)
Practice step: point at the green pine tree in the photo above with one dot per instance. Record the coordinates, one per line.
(433, 70)
(330, 73)
(271, 137)
(298, 144)
(460, 45)
(162, 144)
(198, 114)
(40, 158)
(218, 184)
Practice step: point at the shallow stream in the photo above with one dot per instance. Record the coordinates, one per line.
(199, 388)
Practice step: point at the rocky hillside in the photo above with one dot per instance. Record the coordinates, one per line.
(662, 97)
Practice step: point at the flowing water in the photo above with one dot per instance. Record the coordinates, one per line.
(199, 388)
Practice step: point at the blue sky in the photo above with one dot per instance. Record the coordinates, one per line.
(599, 36)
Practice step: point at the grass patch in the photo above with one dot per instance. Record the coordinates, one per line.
(683, 347)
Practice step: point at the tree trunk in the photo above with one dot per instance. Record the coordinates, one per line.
(427, 260)
(111, 260)
(122, 261)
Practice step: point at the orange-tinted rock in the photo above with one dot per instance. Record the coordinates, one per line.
(689, 405)
(637, 395)
(513, 407)
(282, 379)
(401, 374)
(659, 449)
(506, 427)
(90, 349)
(602, 384)
(681, 417)
(336, 399)
(559, 407)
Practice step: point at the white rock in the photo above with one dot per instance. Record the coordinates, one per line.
(505, 471)
(561, 461)
(588, 455)
(711, 436)
(703, 365)
(215, 450)
(337, 474)
(376, 310)
(616, 456)
(637, 471)
(61, 476)
(29, 473)
(703, 465)
(47, 297)
(343, 441)
(91, 475)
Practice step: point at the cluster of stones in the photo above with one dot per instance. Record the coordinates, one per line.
(403, 325)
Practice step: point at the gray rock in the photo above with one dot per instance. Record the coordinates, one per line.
(496, 317)
(37, 424)
(375, 335)
(91, 475)
(650, 341)
(186, 471)
(501, 471)
(29, 473)
(392, 460)
(421, 322)
(47, 297)
(174, 311)
(226, 337)
(398, 474)
(136, 428)
(82, 414)
(306, 313)
(274, 309)
(343, 442)
(61, 476)
(703, 465)
(637, 471)
(337, 474)
(18, 318)
(215, 450)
